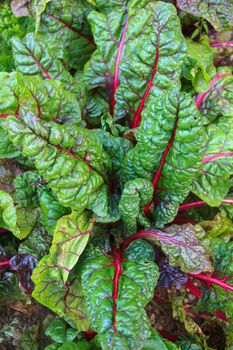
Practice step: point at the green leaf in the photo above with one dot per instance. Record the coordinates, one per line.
(213, 181)
(136, 194)
(65, 299)
(117, 292)
(26, 188)
(19, 220)
(156, 342)
(37, 243)
(34, 57)
(7, 150)
(219, 13)
(168, 151)
(29, 339)
(64, 26)
(66, 157)
(47, 99)
(58, 332)
(51, 211)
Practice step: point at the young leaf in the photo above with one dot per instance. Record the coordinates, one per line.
(117, 291)
(213, 180)
(218, 12)
(136, 194)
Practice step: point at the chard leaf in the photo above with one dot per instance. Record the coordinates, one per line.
(37, 243)
(157, 342)
(33, 57)
(181, 245)
(117, 292)
(7, 149)
(66, 158)
(217, 100)
(47, 99)
(220, 227)
(126, 71)
(69, 240)
(66, 299)
(167, 152)
(155, 41)
(136, 194)
(19, 220)
(213, 180)
(51, 211)
(26, 189)
(65, 27)
(219, 13)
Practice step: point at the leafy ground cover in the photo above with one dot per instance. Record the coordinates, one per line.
(116, 164)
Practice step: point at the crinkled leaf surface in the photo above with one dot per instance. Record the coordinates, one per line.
(168, 151)
(51, 211)
(66, 157)
(64, 25)
(217, 100)
(136, 194)
(157, 342)
(218, 12)
(213, 180)
(33, 57)
(152, 59)
(117, 292)
(181, 245)
(47, 99)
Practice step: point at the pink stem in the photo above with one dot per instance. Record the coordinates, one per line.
(118, 272)
(214, 280)
(191, 205)
(218, 155)
(222, 44)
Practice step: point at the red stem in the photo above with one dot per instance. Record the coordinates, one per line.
(222, 44)
(118, 272)
(5, 263)
(191, 205)
(137, 117)
(193, 289)
(213, 280)
(3, 230)
(116, 74)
